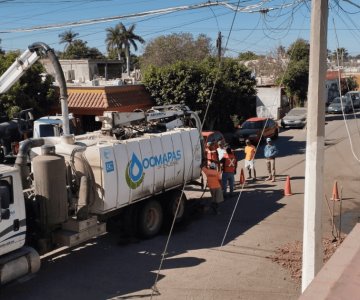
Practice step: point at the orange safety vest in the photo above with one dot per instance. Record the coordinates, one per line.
(230, 163)
(213, 180)
(212, 155)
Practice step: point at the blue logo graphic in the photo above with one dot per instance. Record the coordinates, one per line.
(109, 166)
(134, 173)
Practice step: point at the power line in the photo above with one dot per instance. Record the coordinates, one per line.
(255, 8)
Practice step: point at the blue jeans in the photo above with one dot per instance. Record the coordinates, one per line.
(227, 177)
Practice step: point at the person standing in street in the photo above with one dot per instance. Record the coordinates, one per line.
(212, 154)
(229, 165)
(213, 182)
(270, 153)
(220, 150)
(250, 151)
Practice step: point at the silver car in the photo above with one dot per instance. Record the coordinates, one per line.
(337, 106)
(295, 118)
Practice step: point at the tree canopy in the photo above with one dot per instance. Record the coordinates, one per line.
(33, 90)
(79, 49)
(296, 77)
(191, 83)
(249, 55)
(348, 84)
(67, 38)
(169, 49)
(120, 37)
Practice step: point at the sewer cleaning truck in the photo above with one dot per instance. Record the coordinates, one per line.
(62, 191)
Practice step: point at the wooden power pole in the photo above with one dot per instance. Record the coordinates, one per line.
(315, 143)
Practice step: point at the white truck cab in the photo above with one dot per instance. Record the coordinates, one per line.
(12, 217)
(15, 259)
(50, 126)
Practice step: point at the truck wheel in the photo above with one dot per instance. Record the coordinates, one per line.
(150, 219)
(171, 203)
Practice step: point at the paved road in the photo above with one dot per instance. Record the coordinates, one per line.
(202, 262)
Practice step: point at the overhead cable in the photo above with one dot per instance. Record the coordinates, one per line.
(255, 8)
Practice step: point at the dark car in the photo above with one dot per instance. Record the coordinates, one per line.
(255, 129)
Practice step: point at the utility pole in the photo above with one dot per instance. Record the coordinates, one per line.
(314, 167)
(219, 45)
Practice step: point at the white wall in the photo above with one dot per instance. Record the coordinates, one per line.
(268, 102)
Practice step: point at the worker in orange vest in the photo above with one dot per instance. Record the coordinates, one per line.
(213, 182)
(229, 165)
(212, 154)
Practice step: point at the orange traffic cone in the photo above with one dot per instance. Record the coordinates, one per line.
(335, 193)
(287, 191)
(242, 177)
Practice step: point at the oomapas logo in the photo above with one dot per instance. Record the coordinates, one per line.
(134, 172)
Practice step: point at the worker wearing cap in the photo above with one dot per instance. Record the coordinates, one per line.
(213, 182)
(250, 151)
(229, 165)
(270, 153)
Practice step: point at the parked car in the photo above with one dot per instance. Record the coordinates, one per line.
(213, 136)
(354, 97)
(296, 117)
(254, 129)
(335, 106)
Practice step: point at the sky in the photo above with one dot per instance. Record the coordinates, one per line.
(249, 30)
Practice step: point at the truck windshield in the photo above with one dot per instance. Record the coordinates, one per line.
(46, 130)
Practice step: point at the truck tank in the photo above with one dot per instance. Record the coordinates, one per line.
(50, 188)
(126, 171)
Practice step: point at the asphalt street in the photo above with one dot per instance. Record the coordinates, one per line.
(211, 256)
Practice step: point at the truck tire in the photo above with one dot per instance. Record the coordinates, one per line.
(171, 203)
(150, 219)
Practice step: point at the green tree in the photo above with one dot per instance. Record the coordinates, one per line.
(296, 77)
(191, 83)
(299, 50)
(31, 91)
(67, 38)
(119, 37)
(79, 49)
(348, 84)
(169, 49)
(249, 55)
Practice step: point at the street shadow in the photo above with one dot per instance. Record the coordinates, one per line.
(103, 268)
(286, 147)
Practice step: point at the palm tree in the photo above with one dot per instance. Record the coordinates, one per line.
(119, 37)
(67, 37)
